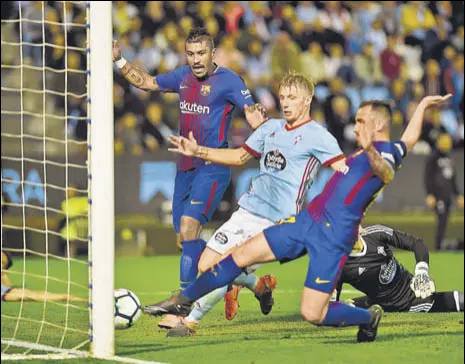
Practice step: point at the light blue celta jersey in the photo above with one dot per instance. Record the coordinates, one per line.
(289, 161)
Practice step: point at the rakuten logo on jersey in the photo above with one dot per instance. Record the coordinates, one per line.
(188, 108)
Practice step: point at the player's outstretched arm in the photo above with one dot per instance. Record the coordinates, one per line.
(134, 75)
(412, 133)
(190, 148)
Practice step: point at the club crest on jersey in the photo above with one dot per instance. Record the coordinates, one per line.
(205, 90)
(275, 160)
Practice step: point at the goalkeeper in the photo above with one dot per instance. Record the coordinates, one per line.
(373, 270)
(15, 294)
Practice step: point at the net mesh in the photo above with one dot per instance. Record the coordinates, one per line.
(44, 113)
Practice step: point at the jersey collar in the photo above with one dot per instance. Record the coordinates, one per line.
(360, 248)
(289, 128)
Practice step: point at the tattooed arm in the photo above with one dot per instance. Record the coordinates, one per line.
(380, 167)
(138, 78)
(134, 75)
(189, 147)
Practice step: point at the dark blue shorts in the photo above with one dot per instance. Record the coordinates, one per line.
(197, 193)
(290, 239)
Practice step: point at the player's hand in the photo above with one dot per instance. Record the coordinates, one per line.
(459, 202)
(255, 115)
(188, 147)
(422, 284)
(116, 51)
(430, 201)
(435, 100)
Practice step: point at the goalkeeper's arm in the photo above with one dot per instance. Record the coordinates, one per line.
(134, 75)
(422, 284)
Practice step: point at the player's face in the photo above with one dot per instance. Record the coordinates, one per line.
(362, 120)
(295, 103)
(200, 57)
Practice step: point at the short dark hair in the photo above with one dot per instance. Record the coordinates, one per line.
(384, 107)
(198, 34)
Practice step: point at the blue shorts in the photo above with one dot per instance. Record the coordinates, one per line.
(197, 193)
(289, 239)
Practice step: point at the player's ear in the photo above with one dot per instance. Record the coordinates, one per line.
(308, 100)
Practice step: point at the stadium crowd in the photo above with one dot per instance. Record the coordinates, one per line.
(400, 50)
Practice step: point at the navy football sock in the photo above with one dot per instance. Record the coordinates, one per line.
(339, 314)
(191, 252)
(219, 275)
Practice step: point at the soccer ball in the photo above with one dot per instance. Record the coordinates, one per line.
(127, 308)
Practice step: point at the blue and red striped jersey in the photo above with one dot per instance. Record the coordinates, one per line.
(206, 106)
(347, 195)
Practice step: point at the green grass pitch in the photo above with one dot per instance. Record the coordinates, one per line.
(281, 337)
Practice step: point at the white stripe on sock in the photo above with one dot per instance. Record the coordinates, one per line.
(457, 300)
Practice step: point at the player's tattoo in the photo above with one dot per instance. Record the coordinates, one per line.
(138, 78)
(244, 156)
(380, 167)
(202, 152)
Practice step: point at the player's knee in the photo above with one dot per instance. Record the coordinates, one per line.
(312, 316)
(189, 229)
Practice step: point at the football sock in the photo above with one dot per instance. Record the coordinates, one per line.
(340, 314)
(247, 280)
(191, 252)
(206, 303)
(448, 302)
(219, 275)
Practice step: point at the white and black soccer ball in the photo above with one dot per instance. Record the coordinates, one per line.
(127, 308)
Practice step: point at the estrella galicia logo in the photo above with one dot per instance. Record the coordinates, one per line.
(221, 238)
(275, 160)
(388, 272)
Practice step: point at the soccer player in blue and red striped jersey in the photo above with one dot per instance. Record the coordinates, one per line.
(327, 229)
(208, 94)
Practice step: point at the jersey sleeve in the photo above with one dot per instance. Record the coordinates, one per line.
(400, 240)
(171, 81)
(238, 94)
(399, 153)
(255, 144)
(326, 149)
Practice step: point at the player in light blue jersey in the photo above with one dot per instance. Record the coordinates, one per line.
(291, 151)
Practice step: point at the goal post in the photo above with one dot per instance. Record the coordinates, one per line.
(101, 178)
(57, 77)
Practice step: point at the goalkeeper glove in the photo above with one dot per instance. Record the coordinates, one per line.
(422, 284)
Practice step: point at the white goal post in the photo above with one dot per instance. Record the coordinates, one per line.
(29, 83)
(102, 178)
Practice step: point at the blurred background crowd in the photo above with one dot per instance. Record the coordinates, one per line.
(401, 50)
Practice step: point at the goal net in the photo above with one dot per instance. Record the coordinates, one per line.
(55, 203)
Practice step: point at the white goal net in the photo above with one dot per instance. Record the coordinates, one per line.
(47, 179)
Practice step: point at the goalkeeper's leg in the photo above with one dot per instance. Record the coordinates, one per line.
(362, 302)
(448, 302)
(18, 294)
